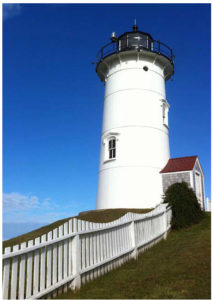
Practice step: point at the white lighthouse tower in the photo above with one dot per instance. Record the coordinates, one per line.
(135, 132)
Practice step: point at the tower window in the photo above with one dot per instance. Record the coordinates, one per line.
(112, 148)
(110, 143)
(165, 110)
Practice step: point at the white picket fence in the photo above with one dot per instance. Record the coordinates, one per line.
(77, 252)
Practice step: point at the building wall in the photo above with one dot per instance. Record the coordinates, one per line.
(208, 204)
(171, 178)
(201, 199)
(134, 115)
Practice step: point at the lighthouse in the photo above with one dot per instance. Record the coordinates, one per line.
(135, 131)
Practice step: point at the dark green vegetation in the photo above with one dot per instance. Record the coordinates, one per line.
(100, 216)
(177, 268)
(185, 207)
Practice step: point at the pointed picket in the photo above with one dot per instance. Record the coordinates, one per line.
(14, 275)
(42, 264)
(65, 255)
(49, 260)
(55, 261)
(83, 252)
(22, 273)
(36, 268)
(29, 271)
(6, 274)
(70, 227)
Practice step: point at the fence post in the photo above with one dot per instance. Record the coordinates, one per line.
(165, 224)
(6, 274)
(76, 262)
(133, 241)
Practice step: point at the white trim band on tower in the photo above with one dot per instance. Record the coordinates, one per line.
(139, 126)
(133, 89)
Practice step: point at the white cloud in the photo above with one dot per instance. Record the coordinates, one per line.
(38, 216)
(11, 10)
(16, 201)
(28, 208)
(46, 203)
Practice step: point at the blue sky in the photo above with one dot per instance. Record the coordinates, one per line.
(53, 99)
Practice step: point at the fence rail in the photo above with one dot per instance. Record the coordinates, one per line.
(77, 252)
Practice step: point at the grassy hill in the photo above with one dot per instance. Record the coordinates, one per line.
(98, 216)
(177, 268)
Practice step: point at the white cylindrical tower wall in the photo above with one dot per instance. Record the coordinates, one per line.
(136, 115)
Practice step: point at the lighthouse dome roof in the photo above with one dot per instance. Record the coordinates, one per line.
(137, 33)
(134, 43)
(135, 40)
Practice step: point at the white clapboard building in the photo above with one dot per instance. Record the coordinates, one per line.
(186, 169)
(208, 204)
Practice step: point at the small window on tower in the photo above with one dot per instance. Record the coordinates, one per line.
(112, 148)
(165, 106)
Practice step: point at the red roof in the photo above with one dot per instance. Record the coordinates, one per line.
(179, 164)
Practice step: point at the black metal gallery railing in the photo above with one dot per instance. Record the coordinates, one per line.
(135, 43)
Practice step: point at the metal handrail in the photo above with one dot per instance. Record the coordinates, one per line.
(156, 47)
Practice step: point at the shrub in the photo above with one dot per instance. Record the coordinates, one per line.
(185, 207)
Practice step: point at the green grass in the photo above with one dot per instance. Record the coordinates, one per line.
(177, 268)
(108, 215)
(100, 216)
